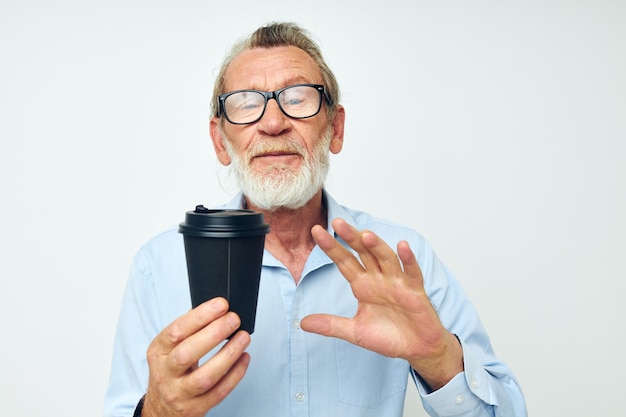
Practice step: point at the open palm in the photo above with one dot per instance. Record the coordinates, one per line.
(394, 315)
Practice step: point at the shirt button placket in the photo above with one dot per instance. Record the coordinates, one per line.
(298, 359)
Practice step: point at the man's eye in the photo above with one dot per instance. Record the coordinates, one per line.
(294, 102)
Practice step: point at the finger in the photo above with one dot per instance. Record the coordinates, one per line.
(409, 262)
(192, 349)
(386, 259)
(210, 374)
(227, 383)
(190, 323)
(353, 238)
(347, 263)
(329, 325)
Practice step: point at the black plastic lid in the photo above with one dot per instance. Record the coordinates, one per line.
(204, 222)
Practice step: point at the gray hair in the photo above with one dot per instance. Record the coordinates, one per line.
(274, 35)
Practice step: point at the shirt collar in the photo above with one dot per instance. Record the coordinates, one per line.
(237, 202)
(335, 210)
(317, 257)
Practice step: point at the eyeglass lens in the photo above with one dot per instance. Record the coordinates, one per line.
(295, 101)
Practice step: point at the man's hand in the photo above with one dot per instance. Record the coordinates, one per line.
(394, 317)
(177, 386)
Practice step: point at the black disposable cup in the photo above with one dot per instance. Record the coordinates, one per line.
(224, 252)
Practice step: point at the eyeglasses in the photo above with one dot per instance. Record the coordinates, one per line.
(298, 101)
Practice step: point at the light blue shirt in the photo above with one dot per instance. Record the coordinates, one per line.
(293, 373)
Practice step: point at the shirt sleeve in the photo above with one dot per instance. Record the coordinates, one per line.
(137, 326)
(487, 387)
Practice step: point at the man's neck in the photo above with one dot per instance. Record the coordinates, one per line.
(290, 239)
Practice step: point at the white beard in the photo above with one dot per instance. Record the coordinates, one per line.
(278, 185)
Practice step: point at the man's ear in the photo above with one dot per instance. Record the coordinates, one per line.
(336, 143)
(218, 141)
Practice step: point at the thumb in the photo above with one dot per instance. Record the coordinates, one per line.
(328, 325)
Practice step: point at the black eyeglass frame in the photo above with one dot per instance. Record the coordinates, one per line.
(272, 95)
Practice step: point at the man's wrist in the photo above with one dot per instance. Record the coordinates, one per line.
(437, 372)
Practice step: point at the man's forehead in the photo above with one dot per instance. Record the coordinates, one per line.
(262, 68)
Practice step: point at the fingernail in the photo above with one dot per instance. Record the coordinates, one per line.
(233, 320)
(218, 304)
(243, 338)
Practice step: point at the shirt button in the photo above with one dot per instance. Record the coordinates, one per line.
(296, 324)
(459, 399)
(299, 396)
(474, 383)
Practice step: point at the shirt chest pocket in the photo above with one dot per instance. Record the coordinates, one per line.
(365, 379)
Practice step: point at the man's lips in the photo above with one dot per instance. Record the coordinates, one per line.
(276, 154)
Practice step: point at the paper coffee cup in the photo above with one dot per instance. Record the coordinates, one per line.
(224, 253)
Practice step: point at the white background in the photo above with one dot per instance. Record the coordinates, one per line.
(495, 128)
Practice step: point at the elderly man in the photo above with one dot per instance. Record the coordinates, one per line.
(349, 306)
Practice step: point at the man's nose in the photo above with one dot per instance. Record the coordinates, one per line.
(274, 121)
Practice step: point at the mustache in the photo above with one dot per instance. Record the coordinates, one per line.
(284, 145)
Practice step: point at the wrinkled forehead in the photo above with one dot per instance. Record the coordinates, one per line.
(271, 68)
